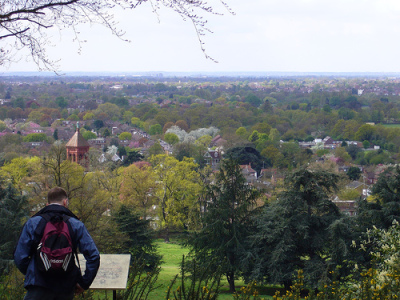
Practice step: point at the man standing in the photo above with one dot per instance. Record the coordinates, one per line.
(40, 285)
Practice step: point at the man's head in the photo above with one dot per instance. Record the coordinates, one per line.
(57, 195)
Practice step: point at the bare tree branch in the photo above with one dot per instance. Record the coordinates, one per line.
(23, 24)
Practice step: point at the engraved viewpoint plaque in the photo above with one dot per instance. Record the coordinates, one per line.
(113, 271)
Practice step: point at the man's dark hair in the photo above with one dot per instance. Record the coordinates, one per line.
(56, 194)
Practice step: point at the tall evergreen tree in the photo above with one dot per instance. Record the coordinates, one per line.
(55, 134)
(138, 236)
(227, 222)
(133, 156)
(13, 212)
(293, 232)
(386, 205)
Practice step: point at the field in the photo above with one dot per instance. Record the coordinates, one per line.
(172, 256)
(391, 125)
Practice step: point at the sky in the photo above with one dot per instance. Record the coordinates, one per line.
(262, 36)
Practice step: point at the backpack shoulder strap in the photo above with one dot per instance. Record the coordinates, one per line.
(74, 242)
(39, 231)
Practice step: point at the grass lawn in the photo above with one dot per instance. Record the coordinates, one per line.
(392, 125)
(172, 253)
(172, 256)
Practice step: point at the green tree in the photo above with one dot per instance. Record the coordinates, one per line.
(155, 149)
(125, 136)
(227, 222)
(35, 116)
(14, 211)
(155, 129)
(254, 136)
(133, 156)
(19, 102)
(253, 100)
(137, 186)
(98, 124)
(107, 111)
(88, 135)
(353, 150)
(61, 102)
(19, 170)
(266, 106)
(127, 116)
(274, 136)
(354, 173)
(35, 137)
(55, 134)
(386, 205)
(137, 122)
(139, 236)
(185, 149)
(365, 132)
(73, 117)
(2, 125)
(341, 153)
(241, 131)
(176, 192)
(292, 232)
(89, 116)
(171, 138)
(106, 132)
(245, 156)
(262, 127)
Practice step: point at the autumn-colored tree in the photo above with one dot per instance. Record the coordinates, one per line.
(182, 124)
(167, 126)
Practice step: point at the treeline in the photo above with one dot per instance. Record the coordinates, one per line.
(230, 226)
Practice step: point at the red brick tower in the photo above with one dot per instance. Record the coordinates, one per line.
(77, 149)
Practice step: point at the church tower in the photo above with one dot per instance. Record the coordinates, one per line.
(78, 148)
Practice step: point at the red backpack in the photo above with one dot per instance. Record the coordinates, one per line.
(55, 251)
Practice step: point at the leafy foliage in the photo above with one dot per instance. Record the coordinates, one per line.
(176, 192)
(35, 137)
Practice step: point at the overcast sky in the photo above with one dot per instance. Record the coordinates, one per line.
(263, 35)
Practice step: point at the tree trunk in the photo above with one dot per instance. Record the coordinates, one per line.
(166, 237)
(230, 276)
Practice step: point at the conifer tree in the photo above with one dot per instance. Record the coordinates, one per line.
(13, 212)
(227, 222)
(386, 205)
(293, 232)
(139, 236)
